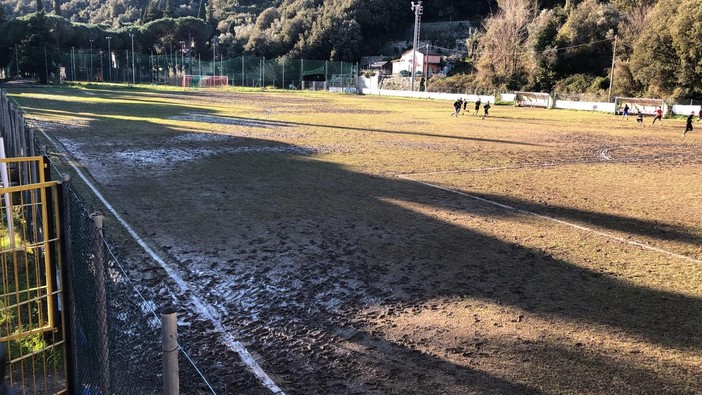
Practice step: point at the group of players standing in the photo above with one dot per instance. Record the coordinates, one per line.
(463, 103)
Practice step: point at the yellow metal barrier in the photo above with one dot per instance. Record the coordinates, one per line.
(32, 324)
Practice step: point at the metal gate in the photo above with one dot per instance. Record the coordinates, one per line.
(32, 328)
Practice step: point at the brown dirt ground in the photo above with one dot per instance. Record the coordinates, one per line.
(342, 278)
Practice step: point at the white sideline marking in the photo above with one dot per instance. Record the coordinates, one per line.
(559, 221)
(203, 309)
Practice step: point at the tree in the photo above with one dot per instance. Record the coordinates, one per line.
(504, 59)
(586, 38)
(169, 10)
(666, 58)
(202, 10)
(57, 7)
(36, 52)
(40, 6)
(151, 12)
(209, 15)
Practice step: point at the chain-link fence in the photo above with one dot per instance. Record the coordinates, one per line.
(113, 332)
(123, 66)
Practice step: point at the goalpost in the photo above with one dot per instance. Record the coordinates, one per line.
(204, 81)
(533, 99)
(647, 106)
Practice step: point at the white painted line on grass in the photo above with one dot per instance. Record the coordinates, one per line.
(204, 309)
(559, 221)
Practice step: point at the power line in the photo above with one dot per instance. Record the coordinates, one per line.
(556, 49)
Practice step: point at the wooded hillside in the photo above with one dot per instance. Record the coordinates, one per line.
(565, 46)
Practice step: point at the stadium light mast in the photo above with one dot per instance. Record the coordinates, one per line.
(214, 56)
(133, 69)
(109, 56)
(90, 76)
(182, 55)
(417, 8)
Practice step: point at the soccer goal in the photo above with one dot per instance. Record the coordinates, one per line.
(204, 81)
(533, 99)
(647, 106)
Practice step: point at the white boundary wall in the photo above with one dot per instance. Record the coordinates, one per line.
(584, 106)
(685, 109)
(428, 95)
(504, 97)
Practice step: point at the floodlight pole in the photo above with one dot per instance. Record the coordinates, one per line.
(90, 76)
(109, 56)
(133, 69)
(214, 56)
(182, 56)
(417, 8)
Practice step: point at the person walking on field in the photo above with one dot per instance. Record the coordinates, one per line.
(688, 126)
(477, 107)
(465, 104)
(659, 116)
(486, 108)
(625, 112)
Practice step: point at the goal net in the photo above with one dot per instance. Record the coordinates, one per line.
(647, 106)
(204, 81)
(533, 99)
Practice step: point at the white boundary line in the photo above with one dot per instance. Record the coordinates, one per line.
(541, 216)
(205, 310)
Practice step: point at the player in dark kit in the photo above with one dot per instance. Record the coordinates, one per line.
(457, 107)
(477, 107)
(688, 126)
(639, 118)
(486, 107)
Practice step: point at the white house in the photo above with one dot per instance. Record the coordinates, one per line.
(427, 63)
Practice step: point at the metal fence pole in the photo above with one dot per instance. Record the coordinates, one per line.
(169, 341)
(103, 335)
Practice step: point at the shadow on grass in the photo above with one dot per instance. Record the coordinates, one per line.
(287, 241)
(652, 229)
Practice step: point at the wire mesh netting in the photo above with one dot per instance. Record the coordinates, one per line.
(170, 69)
(111, 343)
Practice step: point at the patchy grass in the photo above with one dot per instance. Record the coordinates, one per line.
(378, 245)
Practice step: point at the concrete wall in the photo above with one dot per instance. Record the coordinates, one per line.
(428, 95)
(682, 109)
(585, 106)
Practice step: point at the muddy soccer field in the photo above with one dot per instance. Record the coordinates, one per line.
(367, 245)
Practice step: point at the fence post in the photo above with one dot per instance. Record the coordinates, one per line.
(68, 283)
(99, 261)
(169, 347)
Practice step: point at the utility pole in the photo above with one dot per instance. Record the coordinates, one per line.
(611, 73)
(417, 8)
(109, 57)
